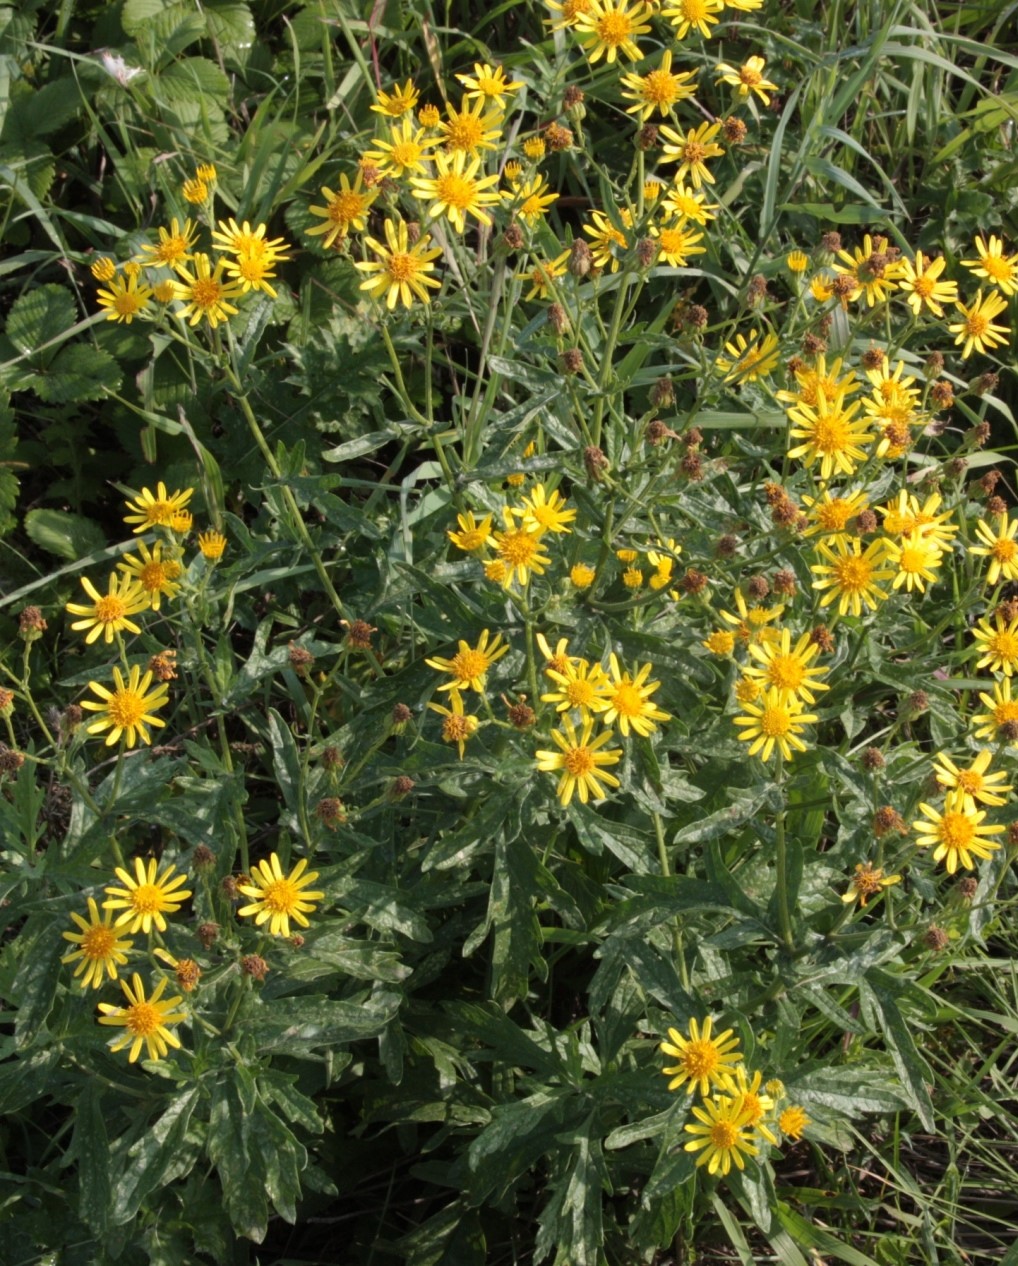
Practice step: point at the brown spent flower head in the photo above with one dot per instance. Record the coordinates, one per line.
(795, 365)
(984, 384)
(331, 812)
(401, 717)
(1009, 731)
(163, 666)
(572, 97)
(297, 941)
(657, 433)
(697, 316)
(557, 137)
(936, 939)
(581, 261)
(402, 785)
(844, 286)
(917, 703)
(757, 588)
(1012, 835)
(831, 241)
(207, 934)
(358, 634)
(756, 292)
(727, 546)
(1007, 610)
(978, 436)
(873, 759)
(10, 760)
(229, 887)
(733, 130)
(774, 494)
(513, 238)
(996, 505)
(572, 361)
(255, 966)
(968, 885)
(557, 318)
(662, 394)
(822, 636)
(873, 357)
(71, 717)
(594, 461)
(989, 482)
(934, 364)
(886, 820)
(7, 702)
(813, 344)
(31, 625)
(692, 466)
(785, 583)
(646, 250)
(203, 857)
(693, 437)
(648, 137)
(866, 522)
(521, 715)
(332, 757)
(301, 659)
(694, 581)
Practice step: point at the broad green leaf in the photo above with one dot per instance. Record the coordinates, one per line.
(91, 1149)
(303, 1024)
(911, 1067)
(160, 1150)
(67, 535)
(452, 1237)
(41, 315)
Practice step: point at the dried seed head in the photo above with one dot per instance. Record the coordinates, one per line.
(203, 857)
(557, 318)
(886, 820)
(831, 241)
(581, 261)
(758, 587)
(572, 97)
(595, 461)
(401, 717)
(785, 583)
(726, 546)
(813, 344)
(558, 137)
(513, 237)
(694, 582)
(984, 384)
(734, 130)
(402, 786)
(934, 364)
(942, 394)
(647, 137)
(572, 361)
(873, 759)
(936, 939)
(821, 635)
(31, 625)
(330, 812)
(979, 435)
(207, 934)
(873, 358)
(996, 505)
(255, 966)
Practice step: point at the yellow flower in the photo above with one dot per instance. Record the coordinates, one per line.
(146, 896)
(400, 101)
(242, 240)
(534, 148)
(513, 170)
(691, 152)
(720, 642)
(469, 666)
(164, 291)
(793, 1120)
(157, 576)
(175, 244)
(724, 1131)
(128, 709)
(867, 881)
(904, 515)
(401, 271)
(999, 547)
(488, 83)
(664, 564)
(850, 575)
(831, 512)
(212, 545)
(974, 783)
(456, 191)
(543, 274)
(917, 559)
(186, 970)
(920, 281)
(195, 191)
(706, 1060)
(520, 549)
(871, 268)
(658, 89)
(473, 534)
(146, 1020)
(253, 270)
(693, 15)
(278, 898)
(629, 700)
(609, 27)
(107, 613)
(676, 243)
(544, 511)
(104, 269)
(457, 727)
(831, 434)
(776, 721)
(796, 261)
(181, 522)
(790, 671)
(429, 116)
(689, 204)
(581, 576)
(632, 577)
(531, 199)
(100, 950)
(957, 834)
(1001, 722)
(344, 210)
(204, 293)
(206, 172)
(978, 329)
(156, 511)
(581, 761)
(470, 130)
(999, 645)
(557, 660)
(994, 265)
(569, 10)
(752, 358)
(405, 151)
(747, 79)
(123, 301)
(580, 685)
(752, 624)
(607, 238)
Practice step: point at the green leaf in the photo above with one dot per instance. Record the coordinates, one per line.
(285, 761)
(35, 984)
(293, 1024)
(192, 79)
(41, 315)
(77, 373)
(90, 1147)
(229, 1146)
(282, 1157)
(633, 847)
(572, 1220)
(157, 1158)
(520, 1133)
(913, 1070)
(67, 535)
(452, 1237)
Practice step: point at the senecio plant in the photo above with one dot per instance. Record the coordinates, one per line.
(523, 725)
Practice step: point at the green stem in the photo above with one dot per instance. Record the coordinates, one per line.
(781, 864)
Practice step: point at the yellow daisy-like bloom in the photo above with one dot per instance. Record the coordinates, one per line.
(632, 578)
(658, 89)
(124, 300)
(790, 670)
(580, 685)
(688, 204)
(921, 283)
(104, 269)
(747, 79)
(720, 642)
(569, 12)
(128, 709)
(534, 148)
(469, 666)
(150, 511)
(775, 722)
(610, 27)
(751, 359)
(746, 691)
(400, 101)
(664, 564)
(756, 1106)
(998, 645)
(676, 243)
(107, 613)
(956, 835)
(531, 199)
(186, 970)
(212, 545)
(520, 549)
(994, 265)
(581, 576)
(488, 83)
(164, 291)
(147, 1020)
(204, 293)
(146, 896)
(792, 1121)
(557, 660)
(175, 244)
(706, 1060)
(195, 191)
(977, 330)
(1001, 722)
(850, 575)
(629, 701)
(831, 512)
(278, 898)
(513, 171)
(752, 624)
(253, 270)
(100, 950)
(871, 268)
(974, 783)
(607, 238)
(157, 576)
(691, 151)
(545, 511)
(471, 131)
(405, 151)
(999, 546)
(904, 515)
(832, 435)
(237, 239)
(816, 380)
(473, 534)
(457, 726)
(401, 271)
(797, 262)
(206, 172)
(456, 191)
(181, 522)
(868, 881)
(345, 209)
(543, 274)
(821, 290)
(429, 116)
(724, 1134)
(917, 559)
(581, 761)
(894, 397)
(693, 15)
